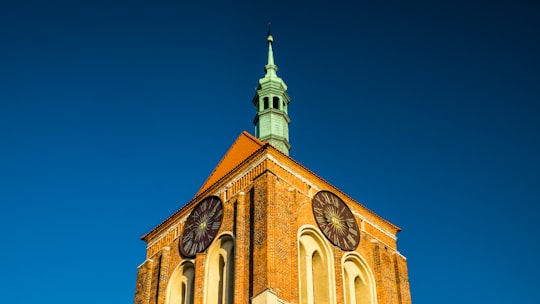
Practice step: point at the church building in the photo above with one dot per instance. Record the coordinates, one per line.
(264, 229)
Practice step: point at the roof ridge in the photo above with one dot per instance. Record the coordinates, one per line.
(252, 145)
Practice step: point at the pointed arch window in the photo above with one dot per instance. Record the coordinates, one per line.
(358, 281)
(315, 269)
(181, 285)
(219, 282)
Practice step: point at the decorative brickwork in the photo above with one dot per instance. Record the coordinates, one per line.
(267, 201)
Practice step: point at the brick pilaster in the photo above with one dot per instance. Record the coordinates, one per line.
(163, 272)
(242, 257)
(402, 279)
(258, 235)
(144, 281)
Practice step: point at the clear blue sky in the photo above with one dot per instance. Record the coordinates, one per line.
(113, 113)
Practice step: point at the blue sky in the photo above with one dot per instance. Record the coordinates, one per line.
(113, 113)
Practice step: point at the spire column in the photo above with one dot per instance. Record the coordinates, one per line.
(271, 100)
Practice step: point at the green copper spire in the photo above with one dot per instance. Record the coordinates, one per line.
(271, 100)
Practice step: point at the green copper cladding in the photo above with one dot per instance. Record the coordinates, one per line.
(272, 102)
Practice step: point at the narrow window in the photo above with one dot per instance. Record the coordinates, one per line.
(315, 267)
(358, 282)
(266, 103)
(221, 284)
(275, 103)
(181, 285)
(189, 282)
(219, 278)
(158, 277)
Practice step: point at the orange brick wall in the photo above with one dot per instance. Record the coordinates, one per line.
(264, 211)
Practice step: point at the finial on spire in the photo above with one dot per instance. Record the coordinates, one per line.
(269, 35)
(270, 67)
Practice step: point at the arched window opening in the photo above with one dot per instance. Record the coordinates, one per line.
(358, 281)
(275, 103)
(220, 272)
(265, 103)
(181, 285)
(315, 269)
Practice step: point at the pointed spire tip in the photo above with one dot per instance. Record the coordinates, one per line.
(269, 37)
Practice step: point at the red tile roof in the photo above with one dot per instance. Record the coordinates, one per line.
(245, 145)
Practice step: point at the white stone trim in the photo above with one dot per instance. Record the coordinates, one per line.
(164, 233)
(244, 172)
(361, 217)
(300, 177)
(376, 240)
(267, 296)
(145, 261)
(401, 255)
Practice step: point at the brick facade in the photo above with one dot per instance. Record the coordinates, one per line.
(267, 200)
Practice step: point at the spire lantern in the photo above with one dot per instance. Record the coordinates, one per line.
(271, 100)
